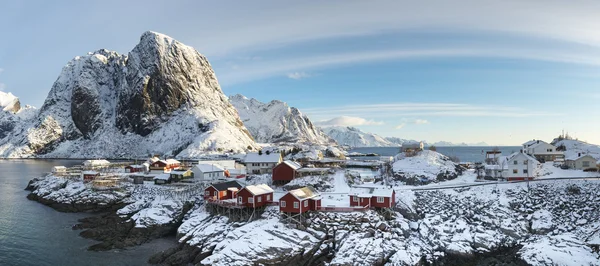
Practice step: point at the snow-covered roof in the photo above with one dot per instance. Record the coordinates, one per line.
(312, 170)
(382, 192)
(531, 142)
(59, 168)
(254, 157)
(136, 166)
(208, 168)
(492, 166)
(304, 193)
(292, 164)
(179, 172)
(90, 173)
(512, 156)
(162, 177)
(95, 162)
(371, 192)
(172, 161)
(259, 189)
(575, 157)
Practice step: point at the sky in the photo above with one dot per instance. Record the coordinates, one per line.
(500, 72)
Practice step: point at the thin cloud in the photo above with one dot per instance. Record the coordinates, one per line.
(424, 110)
(298, 75)
(348, 121)
(401, 126)
(2, 86)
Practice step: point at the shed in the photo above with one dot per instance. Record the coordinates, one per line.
(285, 172)
(208, 172)
(255, 196)
(59, 169)
(88, 176)
(373, 197)
(162, 179)
(222, 191)
(138, 179)
(177, 175)
(134, 168)
(300, 200)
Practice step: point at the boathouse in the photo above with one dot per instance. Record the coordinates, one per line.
(255, 196)
(222, 191)
(88, 176)
(285, 172)
(372, 197)
(300, 200)
(134, 168)
(162, 179)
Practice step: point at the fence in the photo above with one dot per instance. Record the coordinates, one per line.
(342, 209)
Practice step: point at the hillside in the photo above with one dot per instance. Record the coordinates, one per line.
(163, 97)
(276, 122)
(575, 147)
(354, 137)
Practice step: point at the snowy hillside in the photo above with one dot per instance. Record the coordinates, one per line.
(354, 137)
(163, 97)
(276, 122)
(426, 166)
(574, 147)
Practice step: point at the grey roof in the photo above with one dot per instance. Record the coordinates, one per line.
(226, 185)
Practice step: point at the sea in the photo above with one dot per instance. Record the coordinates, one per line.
(34, 234)
(471, 154)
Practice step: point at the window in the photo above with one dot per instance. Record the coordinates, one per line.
(355, 198)
(306, 203)
(282, 204)
(268, 197)
(515, 171)
(216, 193)
(585, 164)
(516, 162)
(524, 171)
(259, 199)
(207, 193)
(240, 200)
(549, 150)
(525, 162)
(250, 200)
(379, 199)
(296, 205)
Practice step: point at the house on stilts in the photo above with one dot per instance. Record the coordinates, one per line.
(238, 203)
(295, 205)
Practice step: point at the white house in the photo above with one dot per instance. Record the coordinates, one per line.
(96, 163)
(262, 163)
(582, 162)
(412, 146)
(208, 172)
(225, 164)
(542, 151)
(519, 166)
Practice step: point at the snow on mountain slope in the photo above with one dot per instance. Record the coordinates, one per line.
(163, 97)
(354, 137)
(574, 147)
(9, 102)
(426, 164)
(276, 122)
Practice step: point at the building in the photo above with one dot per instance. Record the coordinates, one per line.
(208, 172)
(177, 175)
(165, 165)
(257, 163)
(285, 172)
(222, 191)
(225, 164)
(96, 163)
(491, 157)
(134, 168)
(300, 201)
(162, 179)
(542, 151)
(519, 166)
(138, 179)
(372, 197)
(59, 170)
(412, 146)
(255, 196)
(88, 176)
(493, 171)
(584, 162)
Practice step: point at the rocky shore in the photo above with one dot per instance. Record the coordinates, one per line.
(505, 224)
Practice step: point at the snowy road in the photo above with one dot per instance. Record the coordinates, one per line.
(340, 184)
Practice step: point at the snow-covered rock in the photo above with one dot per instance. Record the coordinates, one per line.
(354, 137)
(575, 147)
(425, 166)
(9, 102)
(276, 122)
(163, 97)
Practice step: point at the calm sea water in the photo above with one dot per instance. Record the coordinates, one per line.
(33, 234)
(464, 153)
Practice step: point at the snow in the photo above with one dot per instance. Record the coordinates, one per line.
(257, 190)
(563, 249)
(9, 102)
(276, 122)
(354, 137)
(574, 147)
(292, 164)
(208, 168)
(426, 164)
(254, 157)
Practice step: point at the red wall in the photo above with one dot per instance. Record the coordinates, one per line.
(283, 172)
(372, 202)
(245, 194)
(361, 201)
(222, 194)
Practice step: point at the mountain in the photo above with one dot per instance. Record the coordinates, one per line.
(276, 122)
(163, 97)
(354, 137)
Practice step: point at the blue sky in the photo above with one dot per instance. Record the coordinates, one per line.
(501, 72)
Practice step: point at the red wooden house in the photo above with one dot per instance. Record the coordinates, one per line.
(89, 175)
(165, 165)
(373, 198)
(285, 172)
(255, 196)
(300, 201)
(222, 191)
(134, 168)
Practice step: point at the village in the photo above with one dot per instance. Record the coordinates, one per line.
(242, 187)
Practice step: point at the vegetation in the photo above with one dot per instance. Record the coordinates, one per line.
(432, 148)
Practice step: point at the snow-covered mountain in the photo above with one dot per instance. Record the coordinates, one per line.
(276, 122)
(354, 137)
(575, 147)
(163, 97)
(448, 143)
